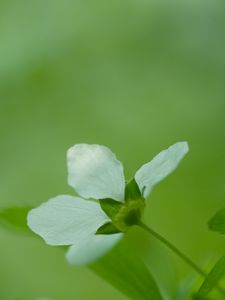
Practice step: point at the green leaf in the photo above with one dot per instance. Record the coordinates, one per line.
(15, 218)
(217, 223)
(110, 207)
(107, 228)
(212, 280)
(199, 297)
(132, 191)
(127, 272)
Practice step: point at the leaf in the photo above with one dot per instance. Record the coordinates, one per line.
(132, 191)
(217, 222)
(198, 297)
(185, 288)
(107, 228)
(15, 218)
(212, 280)
(127, 272)
(110, 207)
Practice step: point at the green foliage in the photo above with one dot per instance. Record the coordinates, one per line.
(107, 228)
(110, 207)
(132, 191)
(185, 287)
(126, 272)
(199, 297)
(217, 222)
(212, 280)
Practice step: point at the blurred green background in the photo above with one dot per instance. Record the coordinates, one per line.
(133, 75)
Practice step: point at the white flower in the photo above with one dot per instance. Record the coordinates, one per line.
(95, 173)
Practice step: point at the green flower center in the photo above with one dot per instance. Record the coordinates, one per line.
(129, 214)
(123, 215)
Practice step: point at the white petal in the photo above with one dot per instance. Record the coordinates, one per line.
(161, 166)
(65, 220)
(87, 251)
(95, 172)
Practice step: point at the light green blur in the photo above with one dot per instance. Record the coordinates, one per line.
(136, 76)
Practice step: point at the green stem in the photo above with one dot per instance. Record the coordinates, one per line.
(185, 258)
(174, 249)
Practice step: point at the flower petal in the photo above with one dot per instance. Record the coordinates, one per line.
(161, 166)
(95, 172)
(89, 250)
(66, 220)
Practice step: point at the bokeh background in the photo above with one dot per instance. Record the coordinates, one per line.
(136, 76)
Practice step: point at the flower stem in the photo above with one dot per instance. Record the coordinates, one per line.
(185, 258)
(174, 249)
